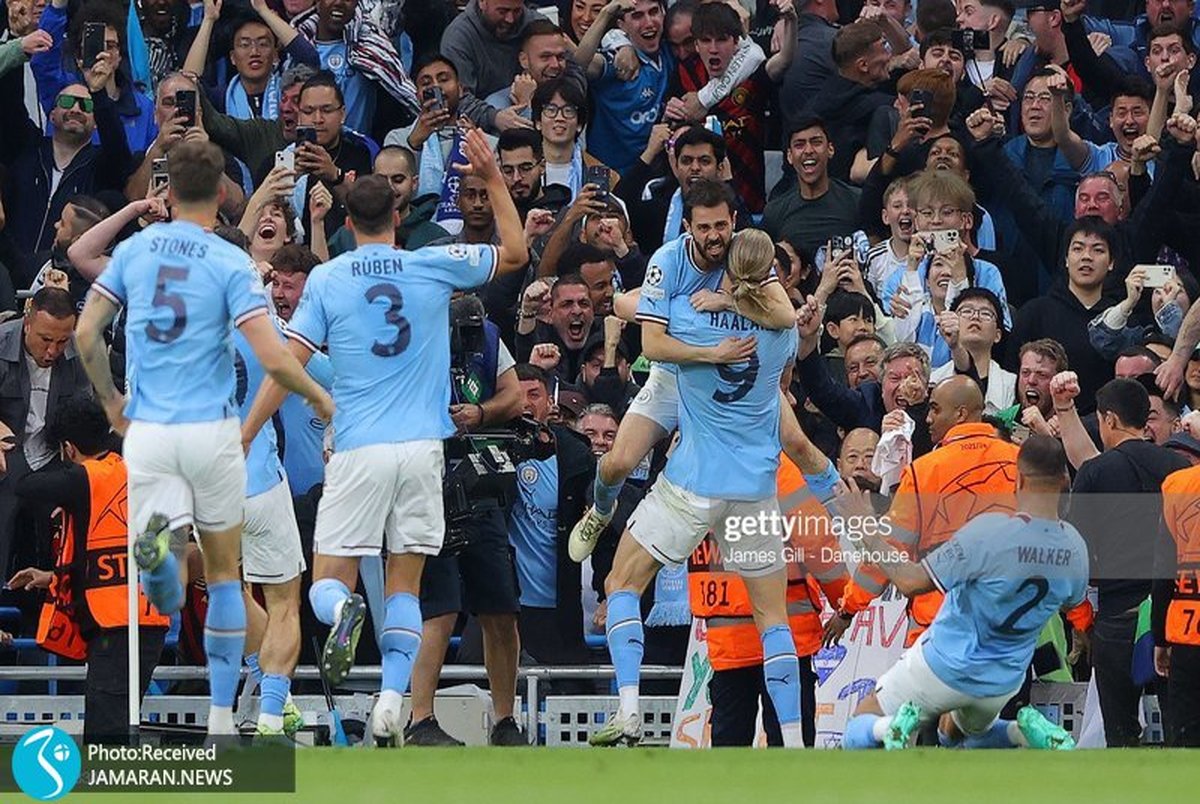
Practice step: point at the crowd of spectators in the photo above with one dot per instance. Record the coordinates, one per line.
(1002, 189)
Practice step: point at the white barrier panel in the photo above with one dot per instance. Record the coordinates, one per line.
(845, 674)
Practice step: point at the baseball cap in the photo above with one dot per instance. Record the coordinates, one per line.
(571, 400)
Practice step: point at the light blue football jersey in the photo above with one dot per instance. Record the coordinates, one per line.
(385, 315)
(182, 288)
(1004, 578)
(671, 272)
(264, 469)
(304, 431)
(728, 414)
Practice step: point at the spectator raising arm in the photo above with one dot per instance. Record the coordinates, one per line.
(778, 64)
(197, 55)
(585, 53)
(87, 252)
(1071, 144)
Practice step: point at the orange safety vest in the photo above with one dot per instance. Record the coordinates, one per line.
(972, 471)
(95, 565)
(1181, 513)
(719, 597)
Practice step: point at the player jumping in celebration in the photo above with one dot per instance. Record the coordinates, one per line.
(690, 267)
(722, 471)
(1004, 577)
(184, 290)
(384, 314)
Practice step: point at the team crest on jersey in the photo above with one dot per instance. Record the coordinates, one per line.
(336, 62)
(529, 474)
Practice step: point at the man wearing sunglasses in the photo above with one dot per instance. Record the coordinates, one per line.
(46, 171)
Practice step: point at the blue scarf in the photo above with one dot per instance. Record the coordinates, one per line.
(447, 214)
(237, 102)
(671, 606)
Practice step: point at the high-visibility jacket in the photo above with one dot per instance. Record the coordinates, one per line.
(88, 590)
(719, 597)
(1181, 513)
(973, 471)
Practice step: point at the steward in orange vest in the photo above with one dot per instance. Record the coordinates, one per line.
(719, 598)
(1176, 607)
(85, 615)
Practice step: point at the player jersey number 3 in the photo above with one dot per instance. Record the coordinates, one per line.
(395, 303)
(164, 298)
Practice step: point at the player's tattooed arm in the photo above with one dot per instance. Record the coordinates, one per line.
(658, 345)
(98, 313)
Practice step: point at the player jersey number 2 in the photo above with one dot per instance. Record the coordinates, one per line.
(1040, 588)
(395, 299)
(163, 297)
(742, 380)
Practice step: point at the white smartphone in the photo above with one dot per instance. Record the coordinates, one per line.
(1157, 276)
(286, 159)
(945, 240)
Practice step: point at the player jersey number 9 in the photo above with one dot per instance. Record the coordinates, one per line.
(173, 301)
(395, 299)
(741, 379)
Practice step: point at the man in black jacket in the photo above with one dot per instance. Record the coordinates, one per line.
(46, 171)
(1116, 504)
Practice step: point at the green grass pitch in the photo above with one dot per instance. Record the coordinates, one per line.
(731, 776)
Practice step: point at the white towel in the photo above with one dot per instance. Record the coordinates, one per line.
(893, 453)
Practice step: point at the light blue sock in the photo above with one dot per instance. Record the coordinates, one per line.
(162, 586)
(256, 673)
(626, 640)
(860, 733)
(945, 742)
(604, 496)
(224, 639)
(275, 689)
(781, 668)
(401, 640)
(994, 737)
(325, 596)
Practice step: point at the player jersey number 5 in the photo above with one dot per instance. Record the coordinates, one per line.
(172, 302)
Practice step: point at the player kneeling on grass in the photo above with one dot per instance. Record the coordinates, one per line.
(1004, 577)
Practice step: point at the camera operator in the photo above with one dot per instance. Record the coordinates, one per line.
(484, 394)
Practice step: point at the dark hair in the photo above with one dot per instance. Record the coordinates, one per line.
(371, 205)
(844, 303)
(706, 193)
(1125, 398)
(681, 7)
(1042, 456)
(294, 259)
(240, 21)
(539, 27)
(515, 139)
(942, 37)
(195, 169)
(1093, 225)
(80, 420)
(432, 58)
(232, 234)
(852, 42)
(55, 302)
(94, 210)
(569, 90)
(700, 135)
(809, 121)
(579, 254)
(409, 157)
(1135, 88)
(568, 280)
(1140, 351)
(110, 13)
(1165, 29)
(296, 74)
(717, 20)
(934, 15)
(528, 371)
(984, 294)
(1006, 6)
(324, 78)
